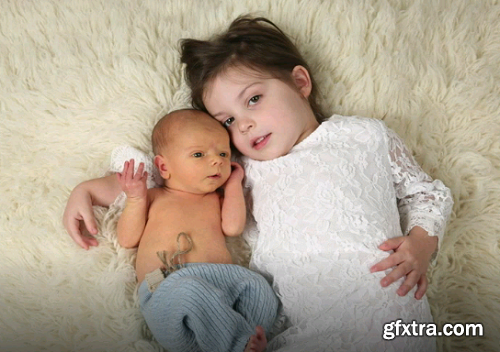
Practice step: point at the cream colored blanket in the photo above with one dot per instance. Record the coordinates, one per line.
(80, 77)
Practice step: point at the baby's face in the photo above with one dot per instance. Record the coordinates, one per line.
(199, 157)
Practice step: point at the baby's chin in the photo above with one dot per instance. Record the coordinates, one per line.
(215, 186)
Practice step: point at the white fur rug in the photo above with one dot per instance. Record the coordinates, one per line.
(80, 77)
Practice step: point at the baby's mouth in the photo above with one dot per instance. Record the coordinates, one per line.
(214, 177)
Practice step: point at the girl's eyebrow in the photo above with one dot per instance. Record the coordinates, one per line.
(238, 97)
(218, 114)
(245, 89)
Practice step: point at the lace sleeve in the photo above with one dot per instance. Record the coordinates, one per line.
(124, 153)
(421, 201)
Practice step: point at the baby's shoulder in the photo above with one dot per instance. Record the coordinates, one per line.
(156, 193)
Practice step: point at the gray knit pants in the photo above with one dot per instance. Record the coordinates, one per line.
(208, 307)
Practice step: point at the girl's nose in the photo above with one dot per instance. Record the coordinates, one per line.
(246, 125)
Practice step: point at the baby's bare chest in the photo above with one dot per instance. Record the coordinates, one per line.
(186, 214)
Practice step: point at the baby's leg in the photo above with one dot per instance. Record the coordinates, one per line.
(188, 313)
(256, 300)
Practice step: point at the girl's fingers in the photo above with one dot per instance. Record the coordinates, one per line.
(410, 282)
(73, 228)
(392, 260)
(422, 287)
(398, 272)
(91, 241)
(392, 243)
(90, 223)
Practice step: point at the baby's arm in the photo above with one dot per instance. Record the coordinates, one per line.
(104, 192)
(100, 191)
(233, 212)
(134, 217)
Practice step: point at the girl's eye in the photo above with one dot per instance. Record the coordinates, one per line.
(254, 100)
(198, 155)
(228, 122)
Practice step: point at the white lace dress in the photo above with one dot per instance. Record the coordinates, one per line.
(320, 213)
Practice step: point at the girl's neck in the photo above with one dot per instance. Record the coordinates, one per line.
(307, 131)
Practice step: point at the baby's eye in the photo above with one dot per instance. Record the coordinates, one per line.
(198, 155)
(254, 100)
(228, 122)
(223, 154)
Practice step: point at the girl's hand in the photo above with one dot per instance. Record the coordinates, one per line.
(237, 172)
(134, 186)
(79, 208)
(412, 255)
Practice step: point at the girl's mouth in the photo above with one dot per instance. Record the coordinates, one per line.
(260, 142)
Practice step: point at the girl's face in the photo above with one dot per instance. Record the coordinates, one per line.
(265, 116)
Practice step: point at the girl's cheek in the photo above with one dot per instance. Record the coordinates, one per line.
(238, 144)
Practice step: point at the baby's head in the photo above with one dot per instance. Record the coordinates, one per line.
(192, 151)
(253, 68)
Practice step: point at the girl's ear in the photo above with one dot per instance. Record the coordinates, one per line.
(302, 80)
(162, 166)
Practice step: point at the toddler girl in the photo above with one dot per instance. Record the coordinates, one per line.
(331, 198)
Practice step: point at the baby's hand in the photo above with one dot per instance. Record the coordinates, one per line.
(412, 255)
(134, 186)
(237, 172)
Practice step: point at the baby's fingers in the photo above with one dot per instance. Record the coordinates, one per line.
(140, 172)
(128, 170)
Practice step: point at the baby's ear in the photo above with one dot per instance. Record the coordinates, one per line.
(162, 167)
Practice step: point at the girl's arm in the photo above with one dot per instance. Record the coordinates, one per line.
(100, 191)
(134, 217)
(424, 207)
(422, 202)
(233, 212)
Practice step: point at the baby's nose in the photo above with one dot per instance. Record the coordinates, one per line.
(217, 160)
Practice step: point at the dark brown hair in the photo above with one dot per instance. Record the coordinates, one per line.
(256, 43)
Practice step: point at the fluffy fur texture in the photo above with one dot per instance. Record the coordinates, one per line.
(79, 78)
